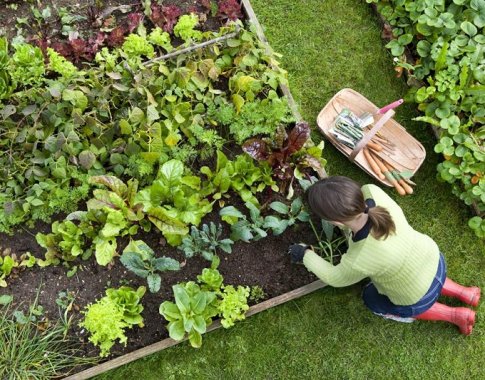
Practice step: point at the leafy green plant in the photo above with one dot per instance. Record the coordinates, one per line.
(108, 318)
(185, 28)
(9, 261)
(243, 228)
(205, 242)
(191, 313)
(233, 305)
(257, 294)
(447, 40)
(241, 175)
(64, 126)
(140, 259)
(286, 151)
(195, 305)
(173, 201)
(295, 212)
(66, 242)
(210, 278)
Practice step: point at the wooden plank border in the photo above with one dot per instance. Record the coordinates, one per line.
(251, 17)
(168, 342)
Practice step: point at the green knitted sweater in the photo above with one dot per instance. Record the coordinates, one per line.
(402, 267)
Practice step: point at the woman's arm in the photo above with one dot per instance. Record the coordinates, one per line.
(334, 275)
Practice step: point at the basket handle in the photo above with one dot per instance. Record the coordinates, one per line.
(377, 126)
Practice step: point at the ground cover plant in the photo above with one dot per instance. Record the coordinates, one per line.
(112, 159)
(327, 46)
(447, 46)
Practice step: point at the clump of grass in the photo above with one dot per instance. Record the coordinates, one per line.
(29, 353)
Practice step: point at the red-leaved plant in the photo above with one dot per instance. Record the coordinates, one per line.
(279, 150)
(229, 10)
(165, 17)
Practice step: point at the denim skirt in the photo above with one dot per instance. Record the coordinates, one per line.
(382, 305)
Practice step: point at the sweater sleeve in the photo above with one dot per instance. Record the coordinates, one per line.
(334, 275)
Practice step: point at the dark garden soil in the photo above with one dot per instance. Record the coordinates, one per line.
(263, 263)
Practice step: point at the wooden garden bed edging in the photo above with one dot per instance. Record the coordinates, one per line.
(169, 342)
(251, 17)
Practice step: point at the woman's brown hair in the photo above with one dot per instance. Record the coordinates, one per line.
(340, 199)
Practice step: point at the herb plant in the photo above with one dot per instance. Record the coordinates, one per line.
(24, 347)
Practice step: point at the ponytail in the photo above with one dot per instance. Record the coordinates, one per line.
(340, 199)
(382, 223)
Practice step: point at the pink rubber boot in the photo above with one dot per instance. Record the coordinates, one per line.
(469, 295)
(463, 317)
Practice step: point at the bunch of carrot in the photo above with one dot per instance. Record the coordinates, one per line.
(384, 170)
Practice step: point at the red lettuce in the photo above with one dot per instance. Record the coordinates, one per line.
(279, 152)
(229, 9)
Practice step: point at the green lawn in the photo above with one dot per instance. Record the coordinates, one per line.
(326, 46)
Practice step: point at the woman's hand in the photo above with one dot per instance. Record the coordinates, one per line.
(297, 251)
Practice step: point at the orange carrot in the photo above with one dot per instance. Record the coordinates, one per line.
(400, 190)
(408, 189)
(374, 146)
(375, 168)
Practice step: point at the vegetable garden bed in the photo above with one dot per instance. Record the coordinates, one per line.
(37, 276)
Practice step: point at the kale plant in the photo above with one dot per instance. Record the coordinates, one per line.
(139, 258)
(205, 242)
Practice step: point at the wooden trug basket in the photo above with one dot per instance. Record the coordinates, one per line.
(408, 155)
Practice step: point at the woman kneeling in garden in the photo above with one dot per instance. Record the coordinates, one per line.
(406, 269)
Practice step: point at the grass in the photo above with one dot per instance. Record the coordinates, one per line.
(326, 46)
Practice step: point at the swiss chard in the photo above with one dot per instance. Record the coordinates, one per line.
(174, 201)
